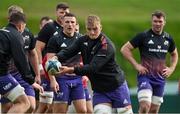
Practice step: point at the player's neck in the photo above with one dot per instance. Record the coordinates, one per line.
(157, 32)
(68, 34)
(59, 22)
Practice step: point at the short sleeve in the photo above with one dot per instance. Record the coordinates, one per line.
(137, 40)
(52, 46)
(33, 42)
(46, 33)
(172, 45)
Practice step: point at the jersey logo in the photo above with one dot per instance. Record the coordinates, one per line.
(26, 47)
(6, 87)
(166, 43)
(57, 27)
(143, 84)
(55, 33)
(85, 43)
(63, 45)
(26, 38)
(60, 94)
(159, 47)
(150, 42)
(125, 101)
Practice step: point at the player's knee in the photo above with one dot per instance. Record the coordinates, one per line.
(154, 110)
(89, 110)
(32, 108)
(144, 107)
(82, 110)
(125, 110)
(102, 109)
(23, 101)
(155, 105)
(145, 95)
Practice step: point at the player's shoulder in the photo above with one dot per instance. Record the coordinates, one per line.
(145, 33)
(83, 38)
(48, 26)
(167, 35)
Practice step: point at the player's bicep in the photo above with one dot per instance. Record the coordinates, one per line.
(40, 45)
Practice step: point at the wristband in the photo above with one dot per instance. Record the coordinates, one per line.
(40, 67)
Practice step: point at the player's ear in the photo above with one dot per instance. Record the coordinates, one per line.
(100, 26)
(18, 26)
(164, 22)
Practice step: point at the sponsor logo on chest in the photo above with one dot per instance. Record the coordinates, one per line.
(153, 47)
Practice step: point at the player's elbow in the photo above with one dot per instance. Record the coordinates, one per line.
(126, 49)
(123, 49)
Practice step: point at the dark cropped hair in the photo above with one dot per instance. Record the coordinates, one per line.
(62, 6)
(47, 18)
(159, 14)
(17, 17)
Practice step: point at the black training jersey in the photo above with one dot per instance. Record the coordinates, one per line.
(28, 44)
(153, 49)
(11, 47)
(29, 40)
(98, 57)
(50, 29)
(62, 41)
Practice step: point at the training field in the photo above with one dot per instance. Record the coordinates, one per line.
(121, 20)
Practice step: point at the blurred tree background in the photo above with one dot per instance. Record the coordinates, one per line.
(121, 20)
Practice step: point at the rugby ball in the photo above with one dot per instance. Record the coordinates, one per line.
(52, 66)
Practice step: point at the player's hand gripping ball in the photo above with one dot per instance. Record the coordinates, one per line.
(52, 66)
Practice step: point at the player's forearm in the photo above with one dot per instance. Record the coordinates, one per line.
(52, 79)
(33, 57)
(131, 59)
(39, 48)
(39, 56)
(126, 52)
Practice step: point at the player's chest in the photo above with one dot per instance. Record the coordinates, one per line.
(156, 44)
(65, 42)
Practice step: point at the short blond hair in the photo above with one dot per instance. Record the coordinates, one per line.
(14, 9)
(93, 20)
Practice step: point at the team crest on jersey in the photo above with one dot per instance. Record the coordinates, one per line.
(159, 47)
(63, 45)
(85, 43)
(150, 42)
(55, 33)
(166, 43)
(26, 37)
